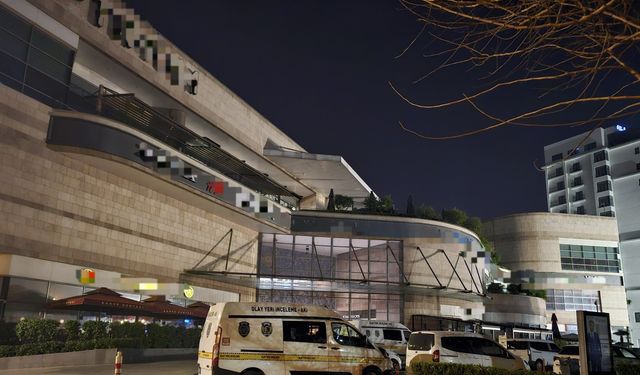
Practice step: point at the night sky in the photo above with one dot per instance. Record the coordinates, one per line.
(319, 70)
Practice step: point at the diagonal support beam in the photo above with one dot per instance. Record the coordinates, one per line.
(353, 250)
(213, 248)
(453, 268)
(471, 274)
(429, 265)
(398, 263)
(315, 252)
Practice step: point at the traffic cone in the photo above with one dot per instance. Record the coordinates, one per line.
(118, 364)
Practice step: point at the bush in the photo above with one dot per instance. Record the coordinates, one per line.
(40, 348)
(430, 368)
(191, 338)
(627, 369)
(127, 343)
(72, 329)
(36, 330)
(94, 329)
(157, 336)
(7, 350)
(126, 330)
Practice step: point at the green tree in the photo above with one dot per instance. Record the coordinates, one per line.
(474, 224)
(454, 216)
(386, 205)
(495, 288)
(427, 212)
(371, 203)
(514, 288)
(343, 202)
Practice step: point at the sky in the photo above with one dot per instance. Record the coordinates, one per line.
(320, 71)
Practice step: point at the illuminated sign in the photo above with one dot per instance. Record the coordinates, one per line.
(147, 286)
(87, 276)
(621, 128)
(188, 291)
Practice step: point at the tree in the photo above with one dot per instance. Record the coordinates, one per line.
(371, 203)
(427, 212)
(514, 288)
(411, 211)
(454, 216)
(495, 288)
(581, 56)
(342, 202)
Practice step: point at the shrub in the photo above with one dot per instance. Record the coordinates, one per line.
(72, 329)
(430, 368)
(127, 343)
(627, 369)
(126, 330)
(94, 329)
(191, 338)
(7, 350)
(36, 330)
(157, 336)
(40, 348)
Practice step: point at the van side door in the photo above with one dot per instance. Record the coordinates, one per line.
(495, 355)
(459, 349)
(305, 346)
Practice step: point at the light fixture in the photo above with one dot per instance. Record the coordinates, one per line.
(621, 128)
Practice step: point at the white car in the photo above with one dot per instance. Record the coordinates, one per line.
(539, 353)
(395, 358)
(460, 347)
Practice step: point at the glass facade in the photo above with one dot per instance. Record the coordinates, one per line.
(589, 258)
(33, 62)
(572, 300)
(355, 277)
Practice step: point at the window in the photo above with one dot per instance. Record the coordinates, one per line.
(562, 199)
(346, 335)
(559, 172)
(392, 334)
(297, 331)
(602, 170)
(637, 315)
(560, 185)
(33, 62)
(570, 350)
(603, 186)
(457, 344)
(608, 213)
(589, 258)
(554, 347)
(636, 150)
(600, 156)
(577, 182)
(406, 334)
(637, 166)
(580, 210)
(421, 341)
(571, 300)
(590, 146)
(518, 345)
(489, 348)
(576, 167)
(605, 201)
(556, 157)
(578, 197)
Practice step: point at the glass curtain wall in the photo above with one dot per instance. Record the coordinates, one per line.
(358, 278)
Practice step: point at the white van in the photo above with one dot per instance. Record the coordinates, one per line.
(460, 347)
(256, 338)
(386, 334)
(539, 353)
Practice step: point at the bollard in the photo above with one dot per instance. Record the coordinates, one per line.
(118, 364)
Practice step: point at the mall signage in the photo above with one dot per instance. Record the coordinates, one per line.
(86, 276)
(594, 337)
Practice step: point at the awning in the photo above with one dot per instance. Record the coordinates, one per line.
(320, 172)
(159, 307)
(100, 300)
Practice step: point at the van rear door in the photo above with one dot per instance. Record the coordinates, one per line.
(305, 346)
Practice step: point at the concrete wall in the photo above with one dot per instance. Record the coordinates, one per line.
(530, 243)
(57, 207)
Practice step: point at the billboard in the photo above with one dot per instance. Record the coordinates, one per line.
(594, 336)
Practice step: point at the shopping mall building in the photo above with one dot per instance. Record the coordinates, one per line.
(122, 155)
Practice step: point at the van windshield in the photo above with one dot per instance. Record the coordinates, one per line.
(406, 335)
(421, 341)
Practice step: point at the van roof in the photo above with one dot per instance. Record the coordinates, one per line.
(381, 323)
(273, 309)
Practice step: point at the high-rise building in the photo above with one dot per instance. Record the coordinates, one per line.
(598, 173)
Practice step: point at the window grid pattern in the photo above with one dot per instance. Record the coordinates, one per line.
(589, 258)
(571, 300)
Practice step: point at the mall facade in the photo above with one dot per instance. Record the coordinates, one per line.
(122, 156)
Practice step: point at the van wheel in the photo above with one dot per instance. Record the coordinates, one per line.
(396, 366)
(371, 371)
(539, 365)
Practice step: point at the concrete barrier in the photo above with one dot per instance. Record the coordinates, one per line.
(97, 357)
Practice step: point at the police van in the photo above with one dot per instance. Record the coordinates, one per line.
(386, 334)
(256, 338)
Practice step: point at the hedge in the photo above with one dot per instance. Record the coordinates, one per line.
(34, 336)
(430, 368)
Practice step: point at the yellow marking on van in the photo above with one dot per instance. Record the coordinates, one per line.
(205, 355)
(290, 357)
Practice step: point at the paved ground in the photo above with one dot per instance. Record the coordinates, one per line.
(155, 368)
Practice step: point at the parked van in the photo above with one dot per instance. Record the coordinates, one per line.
(256, 338)
(539, 353)
(386, 334)
(460, 347)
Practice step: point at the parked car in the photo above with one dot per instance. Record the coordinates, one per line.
(567, 360)
(394, 357)
(386, 334)
(460, 347)
(539, 353)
